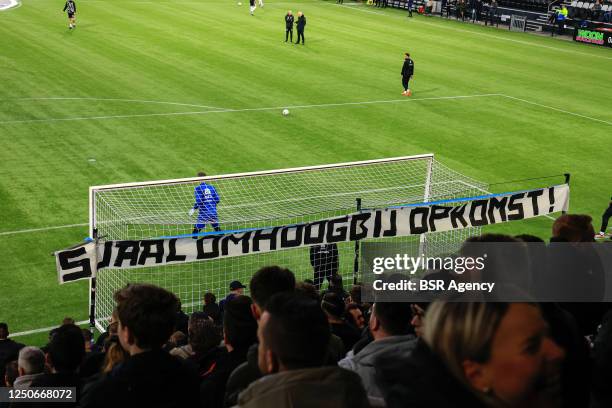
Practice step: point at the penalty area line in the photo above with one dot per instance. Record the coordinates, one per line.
(559, 110)
(229, 110)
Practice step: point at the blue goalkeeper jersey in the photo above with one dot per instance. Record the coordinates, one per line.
(206, 199)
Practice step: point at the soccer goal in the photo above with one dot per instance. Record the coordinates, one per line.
(263, 199)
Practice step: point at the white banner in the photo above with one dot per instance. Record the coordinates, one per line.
(82, 262)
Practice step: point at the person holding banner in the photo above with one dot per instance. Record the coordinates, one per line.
(206, 200)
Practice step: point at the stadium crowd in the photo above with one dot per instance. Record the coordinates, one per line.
(288, 345)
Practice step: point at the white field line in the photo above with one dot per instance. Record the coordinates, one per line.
(497, 37)
(23, 231)
(323, 105)
(229, 110)
(110, 100)
(607, 122)
(44, 329)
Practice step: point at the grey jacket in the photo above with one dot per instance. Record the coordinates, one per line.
(306, 388)
(25, 381)
(363, 362)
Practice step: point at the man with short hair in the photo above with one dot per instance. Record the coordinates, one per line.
(65, 353)
(149, 377)
(355, 315)
(300, 24)
(211, 307)
(289, 26)
(9, 349)
(407, 73)
(334, 308)
(265, 283)
(31, 365)
(391, 330)
(206, 200)
(203, 337)
(293, 339)
(239, 333)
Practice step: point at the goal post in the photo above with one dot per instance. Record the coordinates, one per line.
(256, 200)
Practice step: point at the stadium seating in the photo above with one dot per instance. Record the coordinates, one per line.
(585, 10)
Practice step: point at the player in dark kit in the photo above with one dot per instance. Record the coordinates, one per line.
(301, 24)
(604, 220)
(289, 26)
(70, 9)
(206, 200)
(407, 72)
(324, 261)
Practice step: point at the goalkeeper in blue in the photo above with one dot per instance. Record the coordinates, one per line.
(206, 200)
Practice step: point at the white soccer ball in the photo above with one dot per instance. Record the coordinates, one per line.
(239, 3)
(285, 112)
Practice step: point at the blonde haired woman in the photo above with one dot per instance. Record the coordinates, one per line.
(477, 354)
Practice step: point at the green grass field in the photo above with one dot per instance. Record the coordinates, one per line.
(83, 107)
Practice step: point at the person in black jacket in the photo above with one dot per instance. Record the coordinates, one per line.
(149, 377)
(239, 333)
(407, 72)
(301, 24)
(289, 26)
(70, 9)
(324, 262)
(605, 218)
(9, 349)
(492, 13)
(64, 355)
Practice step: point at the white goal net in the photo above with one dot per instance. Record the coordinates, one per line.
(263, 199)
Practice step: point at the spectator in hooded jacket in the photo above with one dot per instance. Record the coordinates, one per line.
(31, 366)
